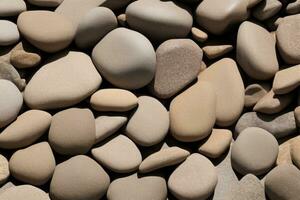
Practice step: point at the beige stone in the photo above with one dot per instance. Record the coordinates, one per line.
(12, 8)
(286, 80)
(9, 33)
(293, 8)
(228, 108)
(297, 115)
(217, 143)
(25, 130)
(215, 51)
(8, 72)
(122, 19)
(46, 30)
(284, 154)
(295, 151)
(105, 100)
(4, 170)
(199, 35)
(196, 104)
(163, 158)
(266, 9)
(254, 92)
(24, 192)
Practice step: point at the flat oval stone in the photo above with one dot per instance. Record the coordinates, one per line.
(217, 143)
(268, 122)
(8, 72)
(272, 103)
(105, 100)
(256, 54)
(25, 130)
(9, 33)
(194, 105)
(46, 30)
(119, 154)
(283, 183)
(108, 125)
(215, 51)
(12, 8)
(254, 141)
(199, 35)
(196, 178)
(295, 151)
(11, 101)
(34, 165)
(228, 108)
(79, 178)
(46, 90)
(288, 39)
(254, 92)
(159, 20)
(123, 44)
(4, 170)
(94, 26)
(163, 158)
(150, 122)
(46, 3)
(178, 63)
(72, 131)
(286, 80)
(24, 192)
(135, 187)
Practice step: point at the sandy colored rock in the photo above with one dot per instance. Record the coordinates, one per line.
(72, 131)
(284, 154)
(9, 33)
(171, 20)
(124, 44)
(119, 154)
(25, 130)
(46, 30)
(295, 151)
(8, 72)
(163, 158)
(254, 141)
(254, 92)
(24, 192)
(122, 19)
(46, 3)
(293, 8)
(215, 51)
(105, 100)
(288, 39)
(228, 109)
(46, 90)
(217, 143)
(199, 35)
(283, 183)
(4, 170)
(268, 122)
(297, 115)
(272, 103)
(266, 9)
(108, 125)
(256, 54)
(33, 165)
(6, 186)
(217, 17)
(94, 25)
(286, 80)
(79, 178)
(136, 187)
(194, 105)
(195, 178)
(150, 122)
(11, 8)
(178, 63)
(11, 101)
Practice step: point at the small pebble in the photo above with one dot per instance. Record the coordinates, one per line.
(215, 51)
(122, 19)
(199, 35)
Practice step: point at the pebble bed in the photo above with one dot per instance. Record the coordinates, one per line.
(149, 100)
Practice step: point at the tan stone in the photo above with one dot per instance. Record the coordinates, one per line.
(215, 51)
(254, 92)
(4, 170)
(199, 35)
(24, 192)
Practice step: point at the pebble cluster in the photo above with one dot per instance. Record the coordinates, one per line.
(149, 99)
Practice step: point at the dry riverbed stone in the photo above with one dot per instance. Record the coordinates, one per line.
(11, 101)
(254, 92)
(123, 44)
(72, 131)
(119, 154)
(254, 151)
(178, 63)
(10, 8)
(9, 33)
(24, 192)
(34, 165)
(163, 158)
(295, 151)
(105, 100)
(4, 170)
(46, 30)
(79, 178)
(194, 179)
(25, 130)
(137, 187)
(8, 72)
(159, 20)
(47, 90)
(149, 124)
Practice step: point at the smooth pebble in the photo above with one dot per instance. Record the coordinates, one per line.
(216, 51)
(24, 192)
(4, 170)
(9, 33)
(8, 72)
(10, 8)
(254, 92)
